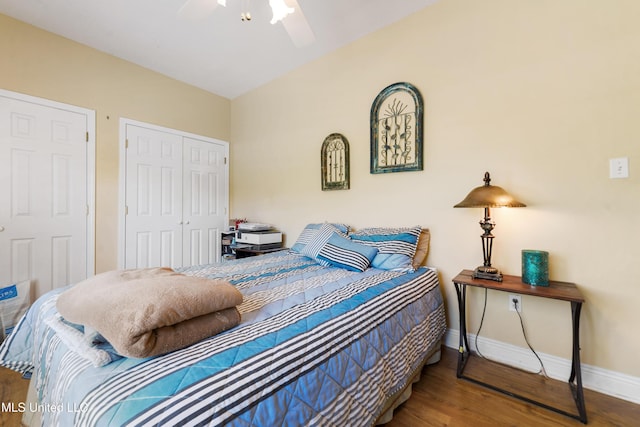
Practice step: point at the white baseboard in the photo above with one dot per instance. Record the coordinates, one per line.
(611, 383)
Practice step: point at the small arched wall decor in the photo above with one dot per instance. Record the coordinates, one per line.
(334, 157)
(396, 129)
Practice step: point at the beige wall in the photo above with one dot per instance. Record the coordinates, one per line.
(38, 63)
(540, 93)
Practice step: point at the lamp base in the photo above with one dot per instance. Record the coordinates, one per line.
(488, 273)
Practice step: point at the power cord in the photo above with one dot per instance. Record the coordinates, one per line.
(515, 303)
(484, 310)
(524, 334)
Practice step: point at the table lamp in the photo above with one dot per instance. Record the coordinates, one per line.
(488, 196)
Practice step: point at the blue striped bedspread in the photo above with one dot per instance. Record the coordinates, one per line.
(316, 346)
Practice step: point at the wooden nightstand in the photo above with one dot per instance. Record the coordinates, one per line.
(513, 284)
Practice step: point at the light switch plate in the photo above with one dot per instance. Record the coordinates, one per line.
(619, 167)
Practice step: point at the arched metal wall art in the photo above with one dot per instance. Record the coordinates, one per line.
(396, 129)
(335, 162)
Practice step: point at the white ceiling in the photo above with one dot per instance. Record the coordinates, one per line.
(207, 45)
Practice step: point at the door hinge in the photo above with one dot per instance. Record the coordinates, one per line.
(126, 210)
(87, 210)
(87, 136)
(126, 143)
(225, 160)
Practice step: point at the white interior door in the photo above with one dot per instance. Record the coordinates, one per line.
(176, 197)
(46, 193)
(204, 207)
(153, 198)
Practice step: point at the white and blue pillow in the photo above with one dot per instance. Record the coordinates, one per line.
(319, 239)
(339, 251)
(309, 232)
(396, 246)
(384, 248)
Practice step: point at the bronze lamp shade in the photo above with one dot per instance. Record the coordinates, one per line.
(488, 196)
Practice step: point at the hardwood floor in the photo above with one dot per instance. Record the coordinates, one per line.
(440, 399)
(13, 389)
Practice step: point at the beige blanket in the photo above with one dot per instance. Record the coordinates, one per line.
(149, 312)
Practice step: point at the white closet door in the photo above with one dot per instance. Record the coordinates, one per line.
(44, 201)
(153, 229)
(205, 190)
(176, 197)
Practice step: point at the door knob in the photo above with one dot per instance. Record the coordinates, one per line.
(1, 229)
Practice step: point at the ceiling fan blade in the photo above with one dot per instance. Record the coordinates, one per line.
(197, 9)
(297, 26)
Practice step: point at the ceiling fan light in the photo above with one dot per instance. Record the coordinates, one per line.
(222, 3)
(280, 10)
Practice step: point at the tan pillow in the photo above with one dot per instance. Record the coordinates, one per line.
(148, 312)
(423, 248)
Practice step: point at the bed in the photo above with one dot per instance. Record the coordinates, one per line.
(318, 344)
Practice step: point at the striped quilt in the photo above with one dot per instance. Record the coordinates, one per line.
(316, 346)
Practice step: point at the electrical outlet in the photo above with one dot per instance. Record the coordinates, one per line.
(515, 303)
